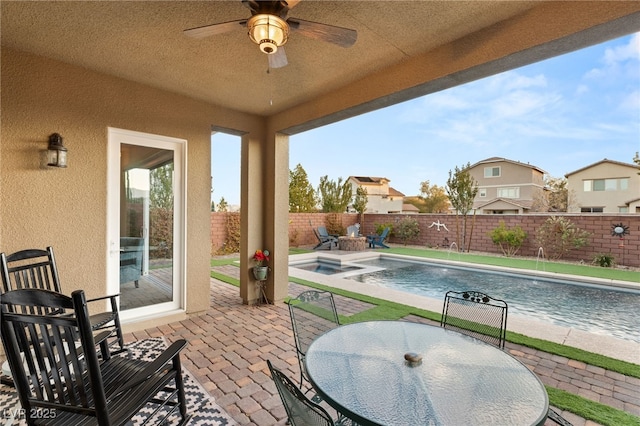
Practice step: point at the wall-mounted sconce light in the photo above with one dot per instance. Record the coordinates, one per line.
(56, 153)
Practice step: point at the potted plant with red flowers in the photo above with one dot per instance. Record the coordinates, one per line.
(261, 257)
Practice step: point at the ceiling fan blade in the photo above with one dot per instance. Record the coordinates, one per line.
(291, 3)
(344, 37)
(278, 59)
(214, 29)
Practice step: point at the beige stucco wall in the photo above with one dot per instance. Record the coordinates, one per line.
(66, 208)
(609, 200)
(512, 175)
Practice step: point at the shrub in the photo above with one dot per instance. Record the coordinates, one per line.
(606, 260)
(508, 239)
(334, 224)
(381, 226)
(232, 241)
(558, 235)
(407, 229)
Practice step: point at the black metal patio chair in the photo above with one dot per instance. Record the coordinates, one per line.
(59, 378)
(476, 314)
(301, 411)
(312, 313)
(557, 418)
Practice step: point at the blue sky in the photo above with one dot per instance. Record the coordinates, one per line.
(560, 115)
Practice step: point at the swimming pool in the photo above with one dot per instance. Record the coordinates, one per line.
(588, 307)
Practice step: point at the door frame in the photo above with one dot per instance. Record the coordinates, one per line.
(117, 137)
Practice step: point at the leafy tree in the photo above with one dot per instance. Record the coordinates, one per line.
(360, 203)
(223, 206)
(558, 235)
(302, 197)
(462, 189)
(407, 229)
(508, 239)
(334, 196)
(434, 197)
(161, 187)
(213, 206)
(161, 211)
(556, 198)
(636, 160)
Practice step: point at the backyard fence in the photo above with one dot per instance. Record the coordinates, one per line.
(439, 230)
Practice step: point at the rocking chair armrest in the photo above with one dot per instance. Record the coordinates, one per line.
(110, 296)
(153, 367)
(102, 336)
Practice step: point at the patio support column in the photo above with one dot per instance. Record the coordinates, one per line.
(277, 213)
(264, 222)
(251, 211)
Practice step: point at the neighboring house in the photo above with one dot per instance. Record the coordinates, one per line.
(605, 187)
(506, 186)
(408, 208)
(381, 198)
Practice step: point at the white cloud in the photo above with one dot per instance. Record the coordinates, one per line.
(631, 102)
(629, 51)
(618, 62)
(582, 89)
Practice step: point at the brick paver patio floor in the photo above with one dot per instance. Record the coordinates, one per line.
(231, 342)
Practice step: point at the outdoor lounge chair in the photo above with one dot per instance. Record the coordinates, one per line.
(325, 241)
(378, 240)
(353, 231)
(131, 253)
(59, 378)
(476, 314)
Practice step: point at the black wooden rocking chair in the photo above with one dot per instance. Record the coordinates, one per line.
(59, 377)
(35, 268)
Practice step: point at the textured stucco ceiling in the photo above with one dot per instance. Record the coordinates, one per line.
(143, 41)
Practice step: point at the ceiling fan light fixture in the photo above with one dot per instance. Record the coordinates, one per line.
(268, 31)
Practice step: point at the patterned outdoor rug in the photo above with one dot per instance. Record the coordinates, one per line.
(200, 404)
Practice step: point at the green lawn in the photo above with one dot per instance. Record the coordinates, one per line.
(520, 263)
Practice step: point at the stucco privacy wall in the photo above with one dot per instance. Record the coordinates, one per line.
(601, 241)
(66, 208)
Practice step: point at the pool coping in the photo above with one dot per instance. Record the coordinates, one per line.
(597, 343)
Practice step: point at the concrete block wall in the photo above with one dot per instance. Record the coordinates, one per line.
(598, 225)
(219, 229)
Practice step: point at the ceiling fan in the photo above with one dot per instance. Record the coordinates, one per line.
(269, 29)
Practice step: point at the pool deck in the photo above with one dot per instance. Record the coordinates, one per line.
(597, 343)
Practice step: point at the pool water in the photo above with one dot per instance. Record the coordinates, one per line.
(326, 268)
(586, 307)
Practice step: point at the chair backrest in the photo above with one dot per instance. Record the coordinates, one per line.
(476, 314)
(312, 313)
(384, 234)
(53, 359)
(322, 231)
(32, 268)
(300, 410)
(353, 231)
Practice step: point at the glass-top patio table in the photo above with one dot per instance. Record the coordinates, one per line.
(360, 370)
